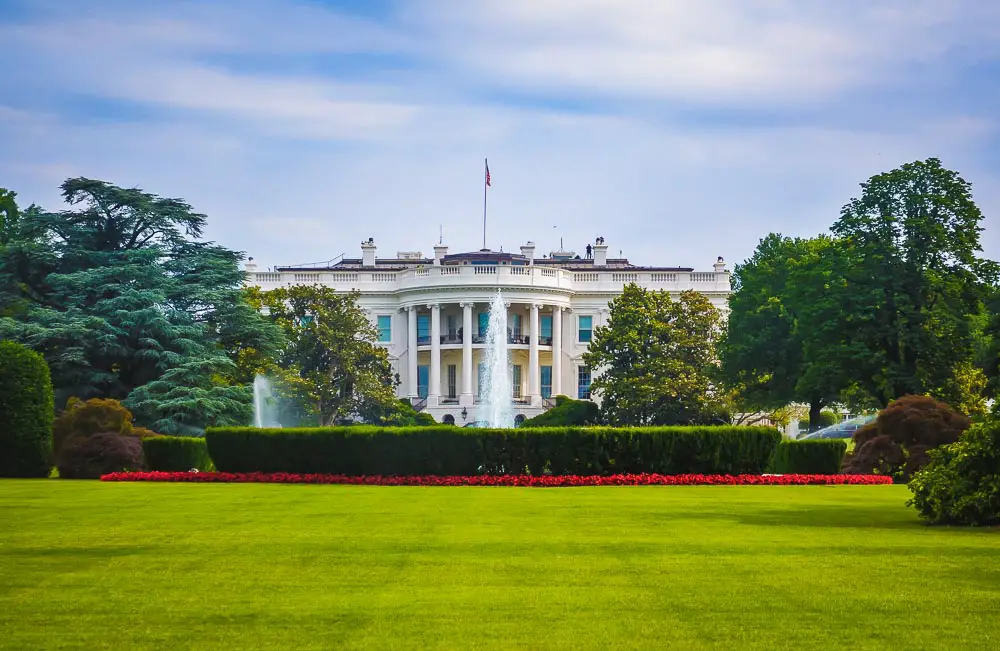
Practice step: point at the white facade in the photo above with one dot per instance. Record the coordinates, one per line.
(425, 307)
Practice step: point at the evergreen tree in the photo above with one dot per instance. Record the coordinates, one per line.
(124, 301)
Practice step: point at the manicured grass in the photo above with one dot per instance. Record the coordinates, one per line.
(250, 566)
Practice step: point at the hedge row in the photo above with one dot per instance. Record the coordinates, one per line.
(809, 457)
(446, 450)
(176, 453)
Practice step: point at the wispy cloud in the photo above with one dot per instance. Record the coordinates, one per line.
(679, 131)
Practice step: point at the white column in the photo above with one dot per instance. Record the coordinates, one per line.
(466, 399)
(434, 390)
(557, 351)
(534, 396)
(411, 351)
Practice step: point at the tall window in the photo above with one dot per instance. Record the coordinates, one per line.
(452, 326)
(546, 372)
(545, 326)
(423, 380)
(583, 382)
(423, 329)
(484, 323)
(384, 328)
(515, 324)
(586, 329)
(452, 380)
(516, 381)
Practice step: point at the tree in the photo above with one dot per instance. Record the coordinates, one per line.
(915, 281)
(120, 293)
(898, 442)
(655, 358)
(26, 413)
(331, 362)
(783, 341)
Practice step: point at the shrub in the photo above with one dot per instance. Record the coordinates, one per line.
(961, 484)
(100, 454)
(567, 412)
(446, 450)
(896, 443)
(826, 418)
(26, 411)
(176, 453)
(809, 457)
(81, 420)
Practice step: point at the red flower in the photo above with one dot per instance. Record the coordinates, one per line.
(539, 481)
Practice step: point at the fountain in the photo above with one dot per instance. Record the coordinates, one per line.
(264, 407)
(496, 408)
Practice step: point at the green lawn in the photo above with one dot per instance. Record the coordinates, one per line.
(174, 566)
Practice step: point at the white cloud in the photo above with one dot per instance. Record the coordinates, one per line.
(742, 51)
(299, 163)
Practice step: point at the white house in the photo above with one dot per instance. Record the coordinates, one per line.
(432, 314)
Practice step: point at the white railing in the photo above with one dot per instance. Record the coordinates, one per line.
(497, 275)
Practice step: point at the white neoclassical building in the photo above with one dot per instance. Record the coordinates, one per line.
(432, 315)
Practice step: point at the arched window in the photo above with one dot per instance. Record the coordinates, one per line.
(448, 419)
(519, 419)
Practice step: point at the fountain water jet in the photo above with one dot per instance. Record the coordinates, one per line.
(264, 408)
(496, 409)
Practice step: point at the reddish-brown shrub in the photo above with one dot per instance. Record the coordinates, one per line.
(896, 443)
(100, 454)
(81, 420)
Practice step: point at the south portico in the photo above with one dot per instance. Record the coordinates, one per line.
(450, 335)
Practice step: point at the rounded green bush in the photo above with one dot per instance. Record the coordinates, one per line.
(961, 484)
(26, 412)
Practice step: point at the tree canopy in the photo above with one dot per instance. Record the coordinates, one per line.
(331, 364)
(125, 301)
(655, 358)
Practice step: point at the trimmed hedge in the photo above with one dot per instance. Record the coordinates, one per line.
(809, 457)
(446, 450)
(567, 412)
(26, 412)
(176, 453)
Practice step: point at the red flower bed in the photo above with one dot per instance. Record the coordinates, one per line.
(541, 481)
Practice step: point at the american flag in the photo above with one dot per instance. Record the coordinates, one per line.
(488, 174)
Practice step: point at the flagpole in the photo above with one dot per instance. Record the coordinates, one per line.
(485, 172)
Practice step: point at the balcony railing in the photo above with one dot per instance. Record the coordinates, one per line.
(493, 276)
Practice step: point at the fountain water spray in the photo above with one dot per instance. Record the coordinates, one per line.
(496, 409)
(264, 408)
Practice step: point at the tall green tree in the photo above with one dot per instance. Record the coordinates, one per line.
(331, 363)
(915, 282)
(783, 341)
(125, 301)
(655, 359)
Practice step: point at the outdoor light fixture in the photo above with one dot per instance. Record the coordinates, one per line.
(465, 413)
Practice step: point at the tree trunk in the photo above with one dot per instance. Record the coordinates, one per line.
(815, 407)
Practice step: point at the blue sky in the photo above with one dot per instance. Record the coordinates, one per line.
(678, 130)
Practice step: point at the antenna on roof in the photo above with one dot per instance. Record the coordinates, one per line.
(440, 234)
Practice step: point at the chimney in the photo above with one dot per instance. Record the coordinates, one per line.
(368, 252)
(600, 253)
(250, 266)
(720, 266)
(440, 250)
(528, 251)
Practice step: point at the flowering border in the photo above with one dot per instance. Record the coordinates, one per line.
(539, 481)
